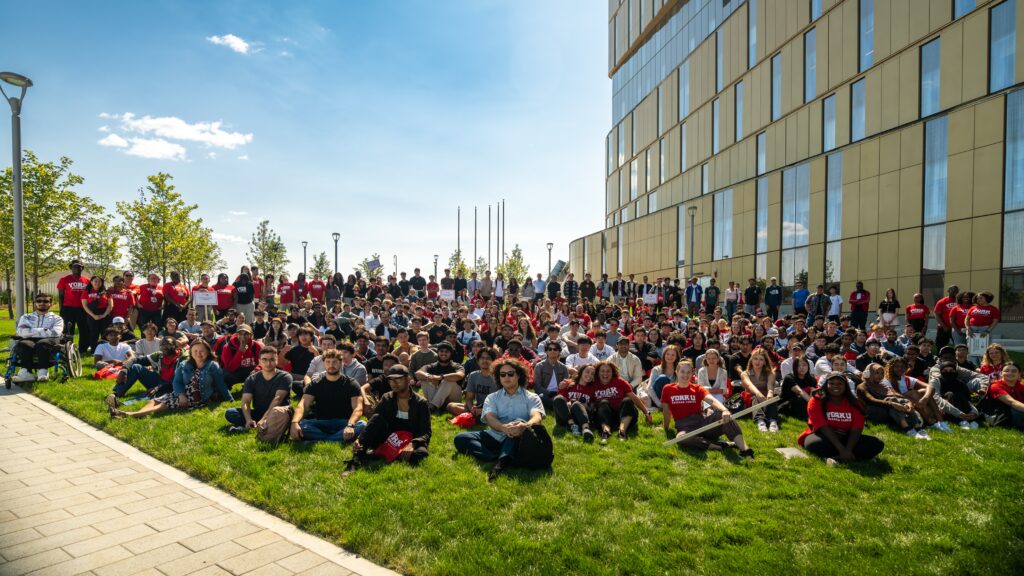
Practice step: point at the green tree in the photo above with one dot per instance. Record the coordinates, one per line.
(514, 266)
(322, 266)
(364, 267)
(458, 265)
(481, 266)
(267, 251)
(101, 248)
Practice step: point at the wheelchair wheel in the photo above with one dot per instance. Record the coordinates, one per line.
(74, 360)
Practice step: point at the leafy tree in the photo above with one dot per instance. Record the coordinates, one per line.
(267, 251)
(322, 266)
(204, 254)
(458, 265)
(514, 266)
(364, 267)
(481, 266)
(101, 247)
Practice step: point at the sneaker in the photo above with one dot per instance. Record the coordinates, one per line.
(761, 426)
(747, 454)
(622, 436)
(588, 436)
(773, 426)
(965, 425)
(111, 401)
(575, 429)
(23, 376)
(350, 467)
(944, 426)
(831, 462)
(42, 375)
(911, 433)
(604, 437)
(497, 470)
(974, 424)
(236, 429)
(922, 434)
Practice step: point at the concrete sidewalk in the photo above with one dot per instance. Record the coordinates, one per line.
(74, 500)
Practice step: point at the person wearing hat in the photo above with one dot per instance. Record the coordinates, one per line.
(112, 352)
(239, 355)
(399, 428)
(835, 419)
(127, 335)
(441, 379)
(71, 289)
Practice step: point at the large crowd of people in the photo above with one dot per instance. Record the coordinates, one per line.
(367, 361)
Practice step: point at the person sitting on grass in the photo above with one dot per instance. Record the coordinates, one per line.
(835, 421)
(331, 406)
(113, 352)
(759, 383)
(38, 335)
(441, 379)
(1008, 396)
(263, 390)
(573, 403)
(797, 388)
(155, 372)
(954, 385)
(149, 342)
(376, 388)
(886, 405)
(127, 334)
(479, 385)
(610, 395)
(239, 355)
(399, 428)
(196, 379)
(682, 402)
(921, 394)
(171, 329)
(299, 357)
(508, 413)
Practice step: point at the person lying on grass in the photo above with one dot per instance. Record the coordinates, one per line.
(610, 395)
(331, 407)
(1009, 392)
(399, 428)
(836, 423)
(682, 402)
(263, 390)
(574, 404)
(195, 381)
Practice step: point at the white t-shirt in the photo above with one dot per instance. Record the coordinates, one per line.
(601, 353)
(837, 304)
(576, 361)
(108, 352)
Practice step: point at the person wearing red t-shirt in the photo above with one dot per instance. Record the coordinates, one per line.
(239, 356)
(860, 300)
(176, 297)
(317, 289)
(836, 423)
(203, 311)
(151, 300)
(610, 395)
(982, 318)
(225, 296)
(918, 314)
(71, 289)
(958, 316)
(573, 403)
(129, 282)
(1008, 394)
(682, 403)
(992, 361)
(124, 299)
(286, 291)
(943, 331)
(433, 288)
(97, 306)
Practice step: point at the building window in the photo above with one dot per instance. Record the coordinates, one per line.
(776, 87)
(751, 33)
(961, 7)
(762, 154)
(930, 78)
(684, 90)
(722, 223)
(611, 152)
(810, 64)
(634, 178)
(624, 215)
(633, 141)
(719, 61)
(739, 111)
(682, 148)
(705, 174)
(867, 34)
(647, 168)
(793, 267)
(1011, 298)
(833, 262)
(857, 111)
(933, 263)
(761, 241)
(660, 119)
(834, 197)
(629, 22)
(681, 235)
(796, 221)
(652, 202)
(622, 144)
(828, 125)
(815, 10)
(1003, 46)
(715, 142)
(661, 162)
(935, 164)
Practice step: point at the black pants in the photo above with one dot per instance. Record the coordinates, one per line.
(859, 319)
(796, 407)
(943, 336)
(96, 328)
(147, 316)
(75, 316)
(236, 377)
(610, 416)
(34, 354)
(174, 312)
(867, 447)
(575, 411)
(773, 311)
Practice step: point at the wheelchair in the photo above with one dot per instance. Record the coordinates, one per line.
(64, 359)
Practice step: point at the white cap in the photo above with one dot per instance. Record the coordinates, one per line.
(117, 320)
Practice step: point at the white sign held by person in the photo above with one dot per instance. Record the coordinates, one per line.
(204, 298)
(651, 298)
(977, 344)
(447, 294)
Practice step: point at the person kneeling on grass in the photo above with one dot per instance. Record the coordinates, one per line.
(574, 403)
(331, 406)
(399, 428)
(509, 413)
(263, 390)
(155, 372)
(886, 405)
(682, 402)
(836, 423)
(195, 381)
(610, 395)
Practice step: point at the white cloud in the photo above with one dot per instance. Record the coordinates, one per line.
(238, 213)
(104, 128)
(228, 238)
(243, 157)
(113, 140)
(231, 41)
(105, 115)
(211, 155)
(155, 148)
(208, 133)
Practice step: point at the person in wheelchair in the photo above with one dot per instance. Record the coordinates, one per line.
(37, 340)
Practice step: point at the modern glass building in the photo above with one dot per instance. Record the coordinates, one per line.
(832, 140)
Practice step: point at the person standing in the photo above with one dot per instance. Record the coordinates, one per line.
(245, 297)
(97, 306)
(588, 290)
(151, 299)
(71, 289)
(943, 328)
(818, 304)
(711, 295)
(800, 299)
(773, 298)
(732, 299)
(751, 297)
(571, 289)
(176, 297)
(860, 300)
(917, 315)
(694, 294)
(835, 310)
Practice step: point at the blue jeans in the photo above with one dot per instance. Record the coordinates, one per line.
(328, 430)
(148, 378)
(730, 308)
(483, 446)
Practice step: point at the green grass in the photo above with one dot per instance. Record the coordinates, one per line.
(949, 506)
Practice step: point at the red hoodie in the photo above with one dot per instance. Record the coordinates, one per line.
(232, 361)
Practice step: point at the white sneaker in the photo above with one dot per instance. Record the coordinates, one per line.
(974, 424)
(922, 434)
(911, 433)
(42, 375)
(23, 375)
(773, 426)
(831, 462)
(965, 425)
(575, 429)
(761, 426)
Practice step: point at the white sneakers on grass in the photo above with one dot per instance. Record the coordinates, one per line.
(42, 375)
(23, 375)
(575, 429)
(761, 426)
(941, 427)
(917, 434)
(773, 426)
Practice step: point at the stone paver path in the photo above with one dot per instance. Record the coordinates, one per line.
(74, 500)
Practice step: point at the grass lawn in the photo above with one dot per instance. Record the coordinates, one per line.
(949, 506)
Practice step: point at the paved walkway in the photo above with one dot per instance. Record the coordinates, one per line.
(74, 500)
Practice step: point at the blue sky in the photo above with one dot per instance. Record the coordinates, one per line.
(372, 119)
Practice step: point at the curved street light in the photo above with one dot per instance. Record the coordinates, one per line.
(23, 82)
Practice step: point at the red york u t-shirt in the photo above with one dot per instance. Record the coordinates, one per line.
(837, 415)
(286, 290)
(74, 290)
(317, 289)
(578, 393)
(683, 401)
(225, 296)
(614, 392)
(982, 315)
(150, 297)
(917, 312)
(1001, 388)
(124, 301)
(176, 292)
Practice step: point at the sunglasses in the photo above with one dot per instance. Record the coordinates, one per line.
(505, 374)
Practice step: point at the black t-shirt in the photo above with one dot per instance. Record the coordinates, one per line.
(553, 289)
(437, 333)
(300, 358)
(711, 295)
(259, 330)
(263, 390)
(752, 295)
(332, 400)
(889, 306)
(438, 369)
(244, 292)
(379, 386)
(737, 362)
(418, 282)
(375, 367)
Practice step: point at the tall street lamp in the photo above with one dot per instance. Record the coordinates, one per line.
(18, 81)
(336, 237)
(550, 246)
(435, 266)
(692, 210)
(304, 244)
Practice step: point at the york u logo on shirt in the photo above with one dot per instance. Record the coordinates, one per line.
(981, 312)
(606, 393)
(77, 285)
(683, 399)
(839, 416)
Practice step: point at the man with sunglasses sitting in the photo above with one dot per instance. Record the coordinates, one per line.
(38, 338)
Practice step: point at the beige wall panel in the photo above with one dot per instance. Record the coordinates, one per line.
(849, 261)
(961, 130)
(958, 252)
(988, 180)
(907, 286)
(975, 56)
(817, 217)
(919, 19)
(851, 209)
(911, 180)
(988, 279)
(960, 185)
(814, 128)
(778, 160)
(817, 175)
(671, 154)
(912, 145)
(888, 201)
(889, 152)
(867, 258)
(910, 251)
(743, 240)
(987, 243)
(851, 37)
(888, 263)
(815, 263)
(802, 124)
(988, 120)
(909, 86)
(882, 25)
(727, 111)
(627, 123)
(890, 114)
(940, 13)
(869, 158)
(842, 116)
(772, 265)
(792, 135)
(774, 189)
(951, 65)
(899, 24)
(835, 48)
(851, 164)
(774, 226)
(873, 101)
(868, 206)
(792, 76)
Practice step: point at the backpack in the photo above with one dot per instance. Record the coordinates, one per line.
(277, 421)
(535, 451)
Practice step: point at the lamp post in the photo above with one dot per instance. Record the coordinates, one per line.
(550, 246)
(435, 266)
(336, 237)
(692, 210)
(304, 244)
(24, 83)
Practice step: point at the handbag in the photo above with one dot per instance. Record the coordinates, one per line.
(536, 451)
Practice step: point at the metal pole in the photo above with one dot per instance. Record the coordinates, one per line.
(693, 213)
(472, 267)
(19, 234)
(303, 258)
(549, 264)
(497, 235)
(335, 255)
(504, 228)
(458, 234)
(488, 236)
(396, 266)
